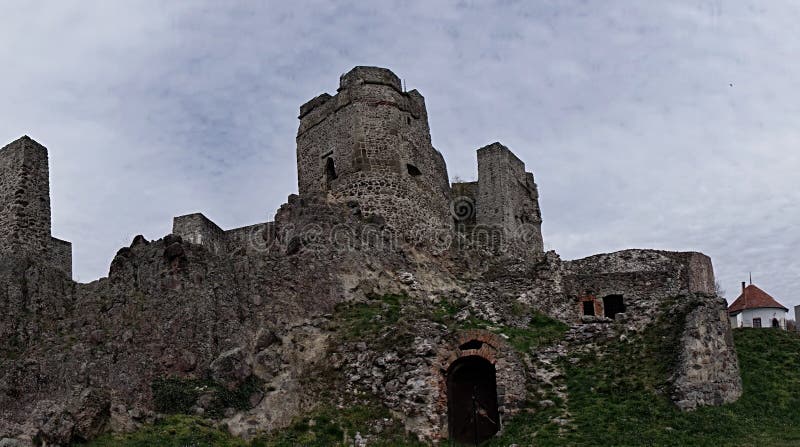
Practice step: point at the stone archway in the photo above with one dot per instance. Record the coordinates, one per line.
(495, 367)
(472, 409)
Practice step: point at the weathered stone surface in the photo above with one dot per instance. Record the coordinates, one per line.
(25, 205)
(707, 370)
(264, 302)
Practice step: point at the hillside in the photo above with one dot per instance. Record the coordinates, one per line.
(614, 399)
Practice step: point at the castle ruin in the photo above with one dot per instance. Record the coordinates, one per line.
(25, 205)
(263, 303)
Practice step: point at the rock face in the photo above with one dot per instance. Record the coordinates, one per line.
(339, 299)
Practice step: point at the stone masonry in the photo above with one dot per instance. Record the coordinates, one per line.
(25, 205)
(449, 271)
(371, 143)
(502, 206)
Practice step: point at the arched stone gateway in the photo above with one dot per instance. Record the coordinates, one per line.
(473, 415)
(481, 381)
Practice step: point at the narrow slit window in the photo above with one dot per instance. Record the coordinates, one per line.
(330, 171)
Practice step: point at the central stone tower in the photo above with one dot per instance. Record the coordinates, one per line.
(370, 143)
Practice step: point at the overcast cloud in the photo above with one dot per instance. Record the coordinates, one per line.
(670, 125)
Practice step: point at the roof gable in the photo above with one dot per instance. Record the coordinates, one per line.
(752, 298)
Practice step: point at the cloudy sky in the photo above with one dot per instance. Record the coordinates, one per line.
(671, 125)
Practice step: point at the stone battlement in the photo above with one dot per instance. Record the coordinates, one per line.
(370, 75)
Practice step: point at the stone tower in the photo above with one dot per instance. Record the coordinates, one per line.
(370, 143)
(508, 198)
(502, 208)
(25, 205)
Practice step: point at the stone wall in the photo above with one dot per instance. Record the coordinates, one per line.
(198, 229)
(464, 197)
(370, 143)
(61, 255)
(708, 370)
(644, 278)
(250, 239)
(508, 198)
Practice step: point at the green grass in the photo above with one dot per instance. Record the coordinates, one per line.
(175, 395)
(173, 431)
(366, 321)
(541, 329)
(621, 399)
(329, 426)
(326, 426)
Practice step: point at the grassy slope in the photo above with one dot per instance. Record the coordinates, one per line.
(618, 399)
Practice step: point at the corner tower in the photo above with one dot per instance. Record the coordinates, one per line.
(25, 205)
(370, 143)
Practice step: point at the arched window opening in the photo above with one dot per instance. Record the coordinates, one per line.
(413, 170)
(776, 323)
(472, 411)
(330, 171)
(613, 305)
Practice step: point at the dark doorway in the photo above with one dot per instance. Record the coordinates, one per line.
(330, 171)
(588, 307)
(613, 305)
(472, 400)
(776, 323)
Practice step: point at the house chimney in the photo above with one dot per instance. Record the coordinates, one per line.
(743, 285)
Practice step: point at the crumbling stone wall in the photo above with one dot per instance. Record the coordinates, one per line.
(707, 368)
(61, 255)
(250, 238)
(25, 205)
(370, 143)
(644, 278)
(198, 229)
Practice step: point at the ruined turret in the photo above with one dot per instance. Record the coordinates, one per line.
(370, 143)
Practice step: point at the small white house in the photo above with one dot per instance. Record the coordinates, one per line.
(755, 308)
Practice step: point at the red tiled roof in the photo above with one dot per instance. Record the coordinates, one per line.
(751, 298)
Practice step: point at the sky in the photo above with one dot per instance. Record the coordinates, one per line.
(669, 125)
